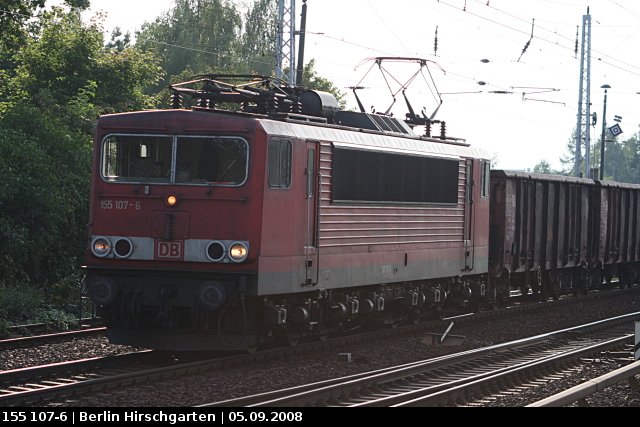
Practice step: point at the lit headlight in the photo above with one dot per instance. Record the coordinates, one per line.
(101, 247)
(238, 252)
(171, 200)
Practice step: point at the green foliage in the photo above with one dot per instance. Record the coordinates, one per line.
(18, 304)
(312, 80)
(119, 41)
(78, 4)
(200, 35)
(56, 319)
(621, 160)
(44, 175)
(13, 21)
(69, 61)
(64, 78)
(258, 46)
(542, 167)
(57, 60)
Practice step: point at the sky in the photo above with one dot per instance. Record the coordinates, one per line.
(519, 104)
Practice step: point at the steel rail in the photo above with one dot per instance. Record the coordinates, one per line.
(590, 387)
(335, 390)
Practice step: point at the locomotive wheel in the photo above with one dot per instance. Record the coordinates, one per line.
(293, 342)
(415, 317)
(543, 296)
(607, 279)
(437, 313)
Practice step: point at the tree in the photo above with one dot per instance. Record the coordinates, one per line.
(568, 160)
(200, 35)
(543, 167)
(622, 159)
(258, 45)
(312, 80)
(78, 4)
(44, 174)
(14, 15)
(65, 77)
(14, 18)
(69, 60)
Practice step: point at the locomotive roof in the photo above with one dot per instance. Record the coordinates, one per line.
(373, 140)
(152, 121)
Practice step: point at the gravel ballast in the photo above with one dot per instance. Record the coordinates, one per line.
(302, 369)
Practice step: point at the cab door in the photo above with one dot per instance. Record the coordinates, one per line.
(469, 252)
(311, 177)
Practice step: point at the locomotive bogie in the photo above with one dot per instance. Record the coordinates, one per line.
(218, 314)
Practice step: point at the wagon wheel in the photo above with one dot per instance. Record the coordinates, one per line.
(578, 283)
(476, 305)
(292, 339)
(544, 290)
(607, 279)
(394, 323)
(415, 317)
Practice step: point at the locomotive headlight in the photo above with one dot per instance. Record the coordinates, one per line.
(215, 251)
(238, 251)
(101, 247)
(123, 248)
(171, 200)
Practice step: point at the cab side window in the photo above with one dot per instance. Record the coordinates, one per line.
(279, 163)
(486, 171)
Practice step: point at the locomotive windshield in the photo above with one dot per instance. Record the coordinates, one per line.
(175, 159)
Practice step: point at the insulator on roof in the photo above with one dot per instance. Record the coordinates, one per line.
(176, 101)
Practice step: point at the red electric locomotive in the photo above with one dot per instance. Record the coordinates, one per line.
(219, 229)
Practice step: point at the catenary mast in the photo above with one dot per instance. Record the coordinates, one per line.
(584, 100)
(286, 41)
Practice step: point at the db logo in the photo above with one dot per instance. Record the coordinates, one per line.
(169, 250)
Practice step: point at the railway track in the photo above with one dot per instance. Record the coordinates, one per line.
(448, 379)
(45, 328)
(36, 340)
(57, 380)
(39, 384)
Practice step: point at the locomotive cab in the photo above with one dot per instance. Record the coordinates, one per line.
(174, 231)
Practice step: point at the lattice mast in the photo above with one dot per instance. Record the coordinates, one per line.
(286, 41)
(584, 100)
